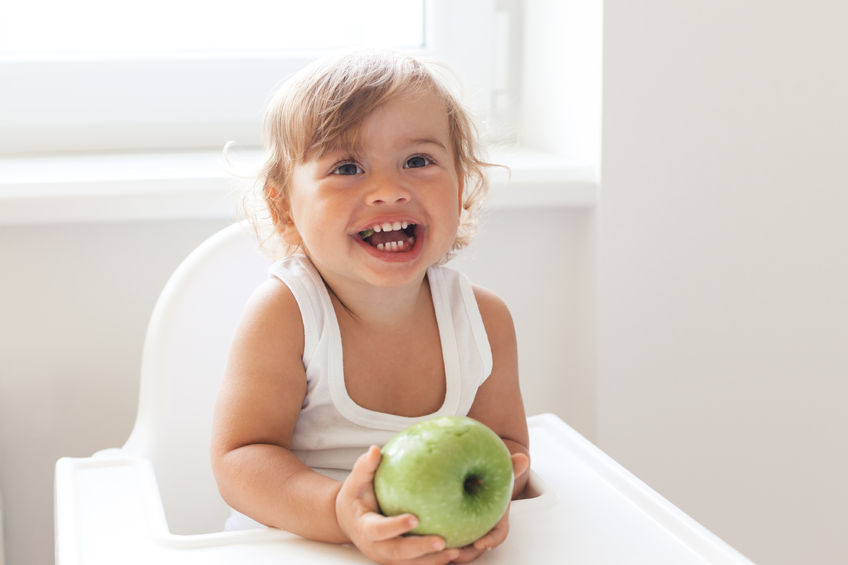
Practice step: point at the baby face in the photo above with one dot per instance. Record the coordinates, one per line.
(385, 212)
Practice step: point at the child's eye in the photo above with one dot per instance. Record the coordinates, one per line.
(347, 169)
(417, 161)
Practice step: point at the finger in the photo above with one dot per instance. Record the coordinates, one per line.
(467, 554)
(491, 540)
(415, 549)
(439, 558)
(368, 462)
(496, 535)
(520, 463)
(443, 557)
(361, 476)
(377, 527)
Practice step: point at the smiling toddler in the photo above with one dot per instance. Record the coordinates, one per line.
(372, 181)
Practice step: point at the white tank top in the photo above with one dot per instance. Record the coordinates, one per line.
(332, 430)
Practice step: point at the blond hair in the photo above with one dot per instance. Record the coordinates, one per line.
(321, 108)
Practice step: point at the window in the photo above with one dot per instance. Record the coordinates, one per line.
(173, 74)
(204, 26)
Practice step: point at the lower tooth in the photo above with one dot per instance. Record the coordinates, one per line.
(396, 245)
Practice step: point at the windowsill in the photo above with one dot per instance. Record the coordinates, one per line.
(146, 186)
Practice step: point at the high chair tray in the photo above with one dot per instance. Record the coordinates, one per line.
(587, 510)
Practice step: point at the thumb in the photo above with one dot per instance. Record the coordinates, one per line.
(362, 473)
(520, 463)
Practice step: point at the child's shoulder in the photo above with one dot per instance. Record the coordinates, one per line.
(500, 328)
(491, 306)
(493, 309)
(272, 312)
(273, 294)
(292, 267)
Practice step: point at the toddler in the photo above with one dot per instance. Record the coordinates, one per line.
(371, 182)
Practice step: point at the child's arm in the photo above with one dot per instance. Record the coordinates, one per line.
(258, 475)
(498, 404)
(260, 398)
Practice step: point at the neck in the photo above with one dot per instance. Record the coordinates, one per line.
(380, 307)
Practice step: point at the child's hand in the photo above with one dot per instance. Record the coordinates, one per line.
(496, 536)
(379, 537)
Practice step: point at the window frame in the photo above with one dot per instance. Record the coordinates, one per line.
(65, 104)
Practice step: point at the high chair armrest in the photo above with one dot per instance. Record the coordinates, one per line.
(592, 510)
(108, 510)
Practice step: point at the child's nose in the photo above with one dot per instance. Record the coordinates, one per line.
(388, 190)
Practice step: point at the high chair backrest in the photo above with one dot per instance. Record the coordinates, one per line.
(184, 356)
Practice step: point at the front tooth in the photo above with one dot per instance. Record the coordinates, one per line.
(381, 247)
(387, 226)
(396, 226)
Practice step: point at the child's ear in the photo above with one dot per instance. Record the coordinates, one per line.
(287, 226)
(281, 214)
(461, 190)
(289, 232)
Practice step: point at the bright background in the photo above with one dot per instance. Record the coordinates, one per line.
(692, 322)
(100, 27)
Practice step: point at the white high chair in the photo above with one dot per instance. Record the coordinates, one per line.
(154, 500)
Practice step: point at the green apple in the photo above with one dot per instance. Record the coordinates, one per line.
(452, 472)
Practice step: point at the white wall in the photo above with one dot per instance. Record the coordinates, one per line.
(540, 262)
(559, 111)
(723, 266)
(75, 302)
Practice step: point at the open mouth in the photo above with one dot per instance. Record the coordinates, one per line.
(390, 237)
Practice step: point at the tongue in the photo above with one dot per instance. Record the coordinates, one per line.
(386, 237)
